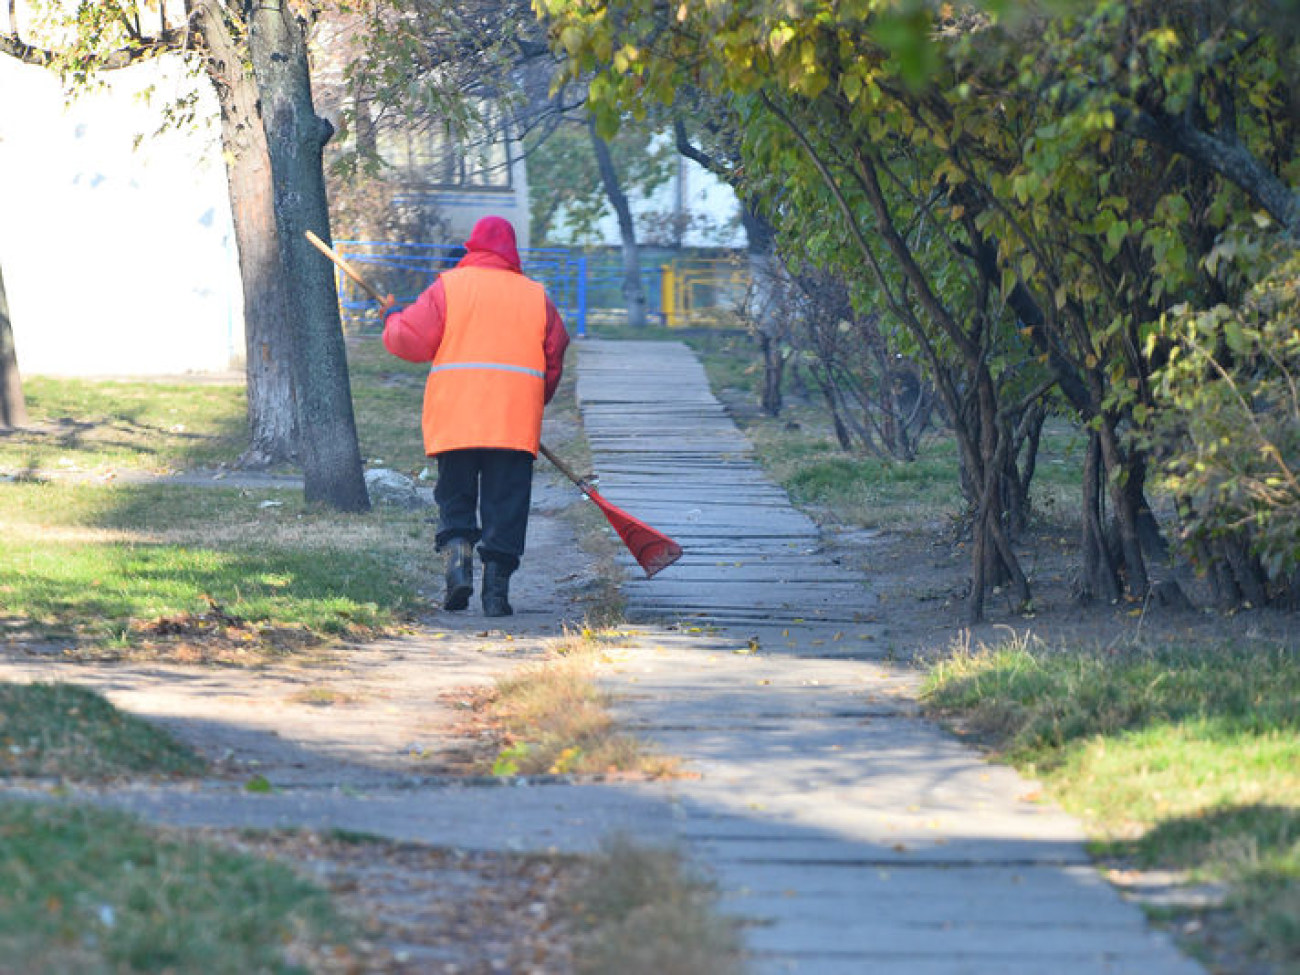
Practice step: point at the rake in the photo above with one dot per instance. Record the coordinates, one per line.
(653, 550)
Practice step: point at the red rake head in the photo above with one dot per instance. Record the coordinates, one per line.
(653, 550)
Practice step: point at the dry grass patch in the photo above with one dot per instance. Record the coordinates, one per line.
(322, 695)
(644, 911)
(552, 717)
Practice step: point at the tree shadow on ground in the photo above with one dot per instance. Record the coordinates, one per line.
(77, 424)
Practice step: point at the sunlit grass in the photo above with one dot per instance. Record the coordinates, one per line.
(1178, 758)
(93, 563)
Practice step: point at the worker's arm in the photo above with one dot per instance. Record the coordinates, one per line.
(415, 332)
(556, 341)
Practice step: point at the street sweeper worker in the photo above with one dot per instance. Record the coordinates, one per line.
(496, 343)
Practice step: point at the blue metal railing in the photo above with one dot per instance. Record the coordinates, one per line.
(579, 282)
(405, 270)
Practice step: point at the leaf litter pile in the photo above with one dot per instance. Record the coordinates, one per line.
(428, 910)
(215, 636)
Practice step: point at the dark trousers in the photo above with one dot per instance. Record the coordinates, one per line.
(488, 487)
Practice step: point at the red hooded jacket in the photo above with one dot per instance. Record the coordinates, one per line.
(415, 332)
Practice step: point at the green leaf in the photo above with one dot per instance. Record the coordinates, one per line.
(507, 762)
(1235, 337)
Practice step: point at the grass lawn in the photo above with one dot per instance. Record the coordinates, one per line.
(1174, 758)
(201, 573)
(92, 891)
(65, 731)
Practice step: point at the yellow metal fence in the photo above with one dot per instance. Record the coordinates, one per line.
(705, 292)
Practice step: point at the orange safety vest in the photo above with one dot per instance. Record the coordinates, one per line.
(487, 384)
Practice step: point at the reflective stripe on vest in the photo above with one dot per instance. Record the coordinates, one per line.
(487, 382)
(489, 365)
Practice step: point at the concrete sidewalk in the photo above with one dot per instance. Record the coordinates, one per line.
(849, 834)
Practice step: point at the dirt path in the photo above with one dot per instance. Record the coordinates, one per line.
(366, 715)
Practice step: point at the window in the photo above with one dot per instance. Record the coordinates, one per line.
(441, 153)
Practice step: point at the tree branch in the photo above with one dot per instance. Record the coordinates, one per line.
(170, 39)
(1226, 156)
(711, 163)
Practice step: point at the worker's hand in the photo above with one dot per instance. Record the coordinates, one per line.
(385, 306)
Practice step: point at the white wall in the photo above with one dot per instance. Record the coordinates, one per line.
(116, 260)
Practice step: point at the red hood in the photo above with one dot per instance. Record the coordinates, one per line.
(494, 235)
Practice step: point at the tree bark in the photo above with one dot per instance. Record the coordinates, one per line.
(1100, 579)
(633, 292)
(13, 405)
(272, 415)
(295, 137)
(1138, 581)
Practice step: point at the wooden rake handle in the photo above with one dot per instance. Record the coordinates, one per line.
(343, 266)
(564, 469)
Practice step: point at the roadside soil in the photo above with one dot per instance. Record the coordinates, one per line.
(421, 910)
(922, 579)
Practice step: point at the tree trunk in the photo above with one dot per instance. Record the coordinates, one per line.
(272, 419)
(1100, 580)
(1025, 440)
(821, 373)
(13, 406)
(295, 137)
(633, 292)
(773, 372)
(769, 298)
(1137, 579)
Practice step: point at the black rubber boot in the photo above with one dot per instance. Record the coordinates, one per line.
(496, 590)
(460, 574)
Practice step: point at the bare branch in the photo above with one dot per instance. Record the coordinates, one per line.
(170, 39)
